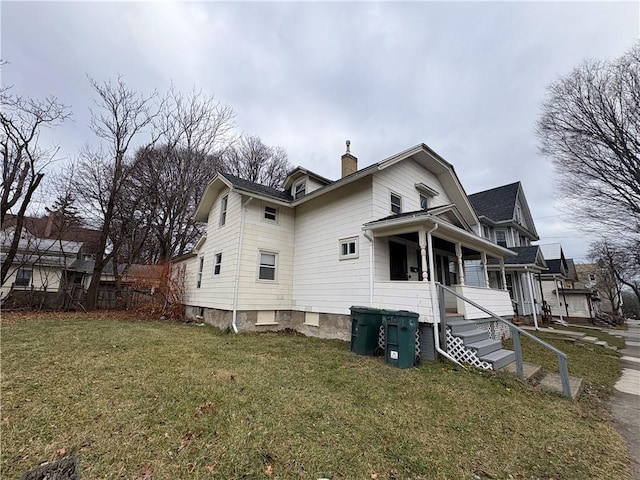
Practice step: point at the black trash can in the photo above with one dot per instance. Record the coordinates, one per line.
(365, 326)
(400, 337)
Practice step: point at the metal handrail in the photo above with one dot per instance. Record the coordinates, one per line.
(515, 335)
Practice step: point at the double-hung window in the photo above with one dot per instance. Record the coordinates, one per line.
(223, 210)
(396, 203)
(23, 277)
(267, 266)
(501, 238)
(217, 264)
(200, 270)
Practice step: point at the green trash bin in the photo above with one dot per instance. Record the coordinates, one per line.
(400, 328)
(365, 327)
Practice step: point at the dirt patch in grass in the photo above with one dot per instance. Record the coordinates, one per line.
(165, 400)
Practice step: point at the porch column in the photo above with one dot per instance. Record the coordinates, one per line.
(533, 302)
(483, 257)
(460, 264)
(422, 241)
(503, 275)
(555, 280)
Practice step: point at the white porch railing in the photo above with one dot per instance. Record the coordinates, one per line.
(497, 301)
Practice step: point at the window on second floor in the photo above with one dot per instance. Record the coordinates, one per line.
(487, 232)
(270, 213)
(223, 210)
(424, 202)
(300, 189)
(217, 264)
(396, 203)
(501, 238)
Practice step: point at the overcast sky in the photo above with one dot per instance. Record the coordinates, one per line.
(467, 79)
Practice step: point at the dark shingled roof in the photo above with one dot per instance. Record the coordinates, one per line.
(497, 204)
(257, 188)
(525, 256)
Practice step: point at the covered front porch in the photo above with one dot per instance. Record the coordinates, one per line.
(407, 248)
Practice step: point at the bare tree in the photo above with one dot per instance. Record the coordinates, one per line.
(620, 261)
(120, 118)
(250, 159)
(196, 130)
(23, 159)
(590, 127)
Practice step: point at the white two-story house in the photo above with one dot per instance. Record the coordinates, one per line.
(382, 236)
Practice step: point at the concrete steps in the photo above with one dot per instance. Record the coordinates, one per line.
(548, 381)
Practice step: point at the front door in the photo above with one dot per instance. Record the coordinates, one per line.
(398, 261)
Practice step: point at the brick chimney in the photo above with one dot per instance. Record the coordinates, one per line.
(349, 162)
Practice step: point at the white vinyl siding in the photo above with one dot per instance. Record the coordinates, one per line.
(401, 179)
(267, 236)
(321, 282)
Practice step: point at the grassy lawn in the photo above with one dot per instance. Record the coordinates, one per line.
(171, 401)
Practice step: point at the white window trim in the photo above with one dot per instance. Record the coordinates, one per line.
(275, 267)
(391, 204)
(217, 256)
(295, 186)
(200, 271)
(346, 241)
(15, 282)
(224, 207)
(425, 189)
(264, 213)
(422, 195)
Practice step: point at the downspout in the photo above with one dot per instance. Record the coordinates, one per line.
(432, 287)
(368, 236)
(237, 276)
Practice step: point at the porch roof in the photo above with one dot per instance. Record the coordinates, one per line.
(412, 221)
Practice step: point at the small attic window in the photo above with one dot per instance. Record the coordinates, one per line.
(300, 189)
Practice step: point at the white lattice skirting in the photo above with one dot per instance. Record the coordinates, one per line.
(497, 330)
(457, 349)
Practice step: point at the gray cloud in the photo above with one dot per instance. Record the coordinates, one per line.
(465, 78)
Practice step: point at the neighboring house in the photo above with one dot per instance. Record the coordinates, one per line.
(567, 298)
(505, 219)
(381, 236)
(606, 290)
(51, 257)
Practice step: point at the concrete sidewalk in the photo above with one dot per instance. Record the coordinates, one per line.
(625, 402)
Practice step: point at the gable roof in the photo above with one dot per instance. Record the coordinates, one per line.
(256, 187)
(50, 228)
(421, 154)
(497, 205)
